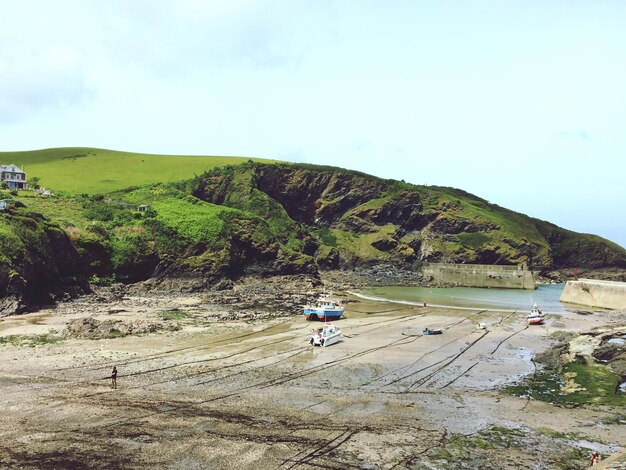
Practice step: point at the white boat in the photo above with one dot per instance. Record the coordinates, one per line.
(325, 336)
(324, 309)
(535, 317)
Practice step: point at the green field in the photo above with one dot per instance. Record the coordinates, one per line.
(78, 170)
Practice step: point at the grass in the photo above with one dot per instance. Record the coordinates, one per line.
(30, 340)
(473, 451)
(195, 220)
(326, 236)
(174, 314)
(11, 245)
(473, 240)
(64, 211)
(558, 434)
(361, 244)
(369, 205)
(598, 384)
(592, 384)
(78, 170)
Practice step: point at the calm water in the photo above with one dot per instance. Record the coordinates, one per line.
(546, 296)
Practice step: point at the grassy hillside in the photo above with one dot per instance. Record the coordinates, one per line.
(78, 170)
(246, 218)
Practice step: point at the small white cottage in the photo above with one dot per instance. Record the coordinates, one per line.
(13, 177)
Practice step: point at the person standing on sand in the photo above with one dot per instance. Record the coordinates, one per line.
(595, 458)
(114, 378)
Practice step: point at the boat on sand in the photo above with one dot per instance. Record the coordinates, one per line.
(535, 317)
(324, 309)
(325, 335)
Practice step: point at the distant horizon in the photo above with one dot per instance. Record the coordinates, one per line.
(519, 103)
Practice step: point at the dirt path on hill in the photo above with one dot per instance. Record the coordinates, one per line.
(254, 394)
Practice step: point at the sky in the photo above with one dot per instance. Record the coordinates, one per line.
(522, 103)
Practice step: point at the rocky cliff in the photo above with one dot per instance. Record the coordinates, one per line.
(357, 219)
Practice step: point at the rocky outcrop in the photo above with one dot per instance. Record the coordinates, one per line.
(317, 197)
(588, 368)
(92, 328)
(404, 210)
(38, 263)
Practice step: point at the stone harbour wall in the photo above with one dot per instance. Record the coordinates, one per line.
(480, 275)
(595, 293)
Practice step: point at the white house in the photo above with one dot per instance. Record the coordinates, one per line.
(13, 176)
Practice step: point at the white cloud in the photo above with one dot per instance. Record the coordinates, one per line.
(181, 38)
(36, 80)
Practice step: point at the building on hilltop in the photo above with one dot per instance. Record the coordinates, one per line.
(13, 177)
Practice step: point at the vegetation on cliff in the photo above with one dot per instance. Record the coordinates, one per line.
(362, 219)
(254, 218)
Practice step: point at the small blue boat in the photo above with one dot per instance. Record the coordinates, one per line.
(325, 309)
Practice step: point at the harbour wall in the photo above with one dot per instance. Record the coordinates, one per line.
(595, 293)
(480, 275)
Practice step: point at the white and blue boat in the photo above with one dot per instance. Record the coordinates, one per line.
(325, 309)
(535, 317)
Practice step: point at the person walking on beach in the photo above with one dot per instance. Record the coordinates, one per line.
(114, 378)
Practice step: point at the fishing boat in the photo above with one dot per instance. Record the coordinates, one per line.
(324, 309)
(535, 317)
(325, 335)
(432, 331)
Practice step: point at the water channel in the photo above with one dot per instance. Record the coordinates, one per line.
(546, 296)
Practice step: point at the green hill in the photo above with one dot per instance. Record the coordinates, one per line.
(202, 226)
(82, 170)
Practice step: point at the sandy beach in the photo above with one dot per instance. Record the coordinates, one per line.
(207, 393)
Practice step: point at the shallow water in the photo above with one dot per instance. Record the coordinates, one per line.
(546, 296)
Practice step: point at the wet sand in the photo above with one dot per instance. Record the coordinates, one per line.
(257, 395)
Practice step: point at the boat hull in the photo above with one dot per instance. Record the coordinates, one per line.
(432, 332)
(324, 315)
(326, 341)
(315, 316)
(535, 317)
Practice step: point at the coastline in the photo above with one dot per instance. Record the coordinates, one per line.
(233, 383)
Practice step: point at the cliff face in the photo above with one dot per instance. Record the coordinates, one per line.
(358, 219)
